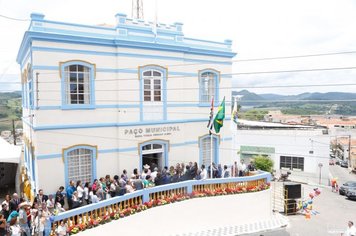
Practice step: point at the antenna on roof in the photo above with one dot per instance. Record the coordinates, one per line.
(137, 9)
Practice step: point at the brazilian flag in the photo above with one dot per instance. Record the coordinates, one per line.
(220, 116)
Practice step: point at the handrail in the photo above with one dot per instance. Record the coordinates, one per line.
(116, 204)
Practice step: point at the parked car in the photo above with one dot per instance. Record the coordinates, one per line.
(337, 161)
(346, 186)
(331, 161)
(344, 164)
(351, 193)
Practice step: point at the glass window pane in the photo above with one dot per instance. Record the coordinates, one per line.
(158, 99)
(81, 88)
(81, 77)
(147, 73)
(157, 93)
(157, 146)
(80, 68)
(73, 77)
(73, 88)
(157, 82)
(147, 93)
(156, 73)
(147, 98)
(73, 68)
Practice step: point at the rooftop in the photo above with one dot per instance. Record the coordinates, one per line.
(126, 32)
(271, 125)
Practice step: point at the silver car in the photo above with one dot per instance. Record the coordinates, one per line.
(351, 193)
(346, 186)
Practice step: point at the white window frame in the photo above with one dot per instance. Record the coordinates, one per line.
(84, 168)
(150, 85)
(73, 78)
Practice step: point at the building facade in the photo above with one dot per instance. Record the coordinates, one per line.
(100, 99)
(303, 150)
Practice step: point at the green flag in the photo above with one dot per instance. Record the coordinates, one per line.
(220, 116)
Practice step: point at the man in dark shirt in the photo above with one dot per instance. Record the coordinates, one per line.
(40, 198)
(138, 185)
(60, 196)
(14, 203)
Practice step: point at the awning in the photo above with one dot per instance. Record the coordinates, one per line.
(9, 153)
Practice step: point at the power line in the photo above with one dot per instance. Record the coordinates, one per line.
(194, 76)
(14, 19)
(197, 101)
(221, 75)
(228, 74)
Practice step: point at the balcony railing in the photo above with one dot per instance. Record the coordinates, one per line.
(94, 214)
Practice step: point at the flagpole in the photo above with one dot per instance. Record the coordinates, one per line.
(211, 155)
(211, 140)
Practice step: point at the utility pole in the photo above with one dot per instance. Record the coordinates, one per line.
(14, 131)
(350, 150)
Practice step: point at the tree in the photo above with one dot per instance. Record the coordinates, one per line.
(263, 163)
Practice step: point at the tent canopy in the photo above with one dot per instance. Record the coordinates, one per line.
(9, 153)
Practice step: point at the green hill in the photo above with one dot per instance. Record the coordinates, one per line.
(10, 109)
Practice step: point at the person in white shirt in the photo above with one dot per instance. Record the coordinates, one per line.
(94, 197)
(351, 230)
(203, 172)
(86, 192)
(50, 203)
(242, 168)
(6, 202)
(154, 174)
(80, 190)
(62, 229)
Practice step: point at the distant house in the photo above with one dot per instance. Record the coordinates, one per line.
(297, 148)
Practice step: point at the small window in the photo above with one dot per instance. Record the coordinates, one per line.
(77, 84)
(152, 86)
(208, 86)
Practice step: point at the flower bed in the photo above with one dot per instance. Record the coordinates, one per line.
(113, 214)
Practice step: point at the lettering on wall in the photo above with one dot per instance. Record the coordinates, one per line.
(151, 131)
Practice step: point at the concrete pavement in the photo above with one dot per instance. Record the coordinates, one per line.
(334, 210)
(227, 215)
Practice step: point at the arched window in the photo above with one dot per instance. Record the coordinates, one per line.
(153, 102)
(152, 86)
(209, 85)
(205, 149)
(77, 84)
(80, 163)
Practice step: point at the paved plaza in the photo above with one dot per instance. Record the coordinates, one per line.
(334, 210)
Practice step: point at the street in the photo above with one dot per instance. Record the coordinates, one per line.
(334, 210)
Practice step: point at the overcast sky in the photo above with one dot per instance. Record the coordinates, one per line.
(258, 28)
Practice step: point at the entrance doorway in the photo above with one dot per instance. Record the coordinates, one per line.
(153, 154)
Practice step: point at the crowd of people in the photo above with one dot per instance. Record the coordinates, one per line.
(78, 194)
(19, 217)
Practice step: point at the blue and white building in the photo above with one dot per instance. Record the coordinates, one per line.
(100, 99)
